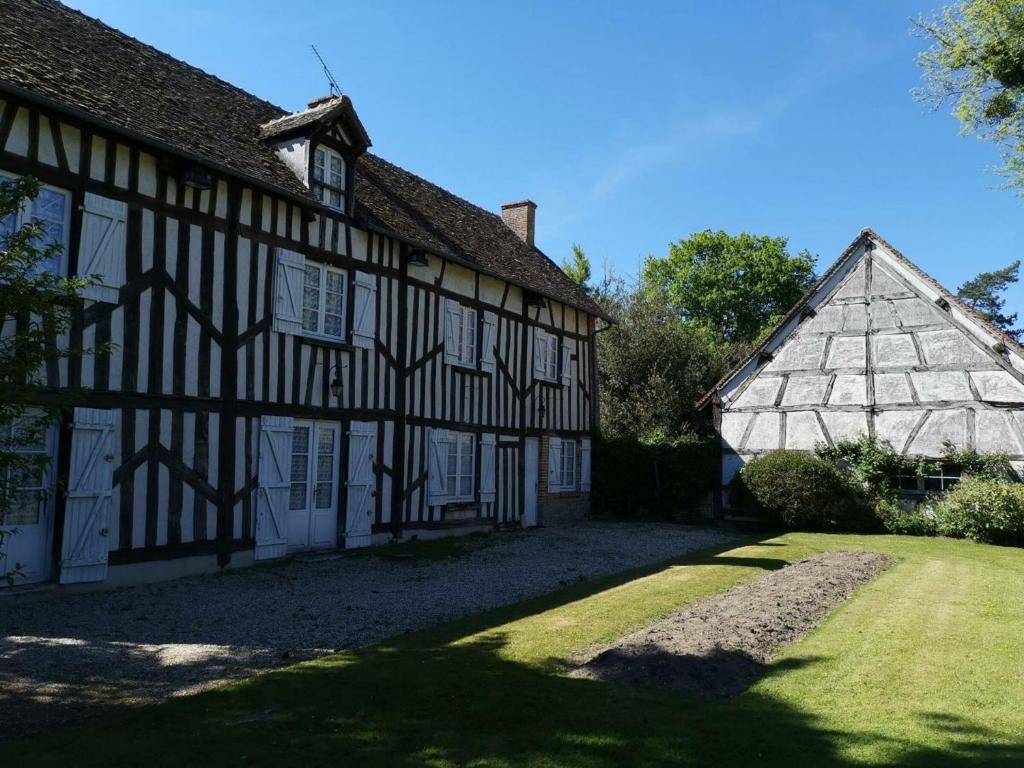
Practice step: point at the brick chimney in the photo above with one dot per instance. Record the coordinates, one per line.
(520, 218)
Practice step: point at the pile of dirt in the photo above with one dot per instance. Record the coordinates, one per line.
(720, 646)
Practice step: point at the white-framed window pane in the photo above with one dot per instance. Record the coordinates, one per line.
(311, 299)
(319, 161)
(334, 199)
(469, 337)
(300, 468)
(337, 177)
(334, 304)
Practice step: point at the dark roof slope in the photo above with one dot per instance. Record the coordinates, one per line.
(866, 235)
(78, 63)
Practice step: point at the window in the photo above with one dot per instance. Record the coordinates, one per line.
(323, 302)
(26, 485)
(53, 208)
(300, 468)
(545, 355)
(460, 334)
(568, 480)
(461, 458)
(329, 177)
(940, 480)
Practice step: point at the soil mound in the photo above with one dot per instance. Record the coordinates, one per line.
(720, 646)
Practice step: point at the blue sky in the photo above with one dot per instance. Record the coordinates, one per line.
(634, 124)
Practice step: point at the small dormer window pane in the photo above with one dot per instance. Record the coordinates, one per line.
(329, 177)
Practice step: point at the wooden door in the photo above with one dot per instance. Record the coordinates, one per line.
(312, 499)
(28, 523)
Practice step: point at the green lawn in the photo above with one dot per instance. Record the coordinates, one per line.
(924, 667)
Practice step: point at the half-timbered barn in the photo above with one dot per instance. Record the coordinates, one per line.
(311, 348)
(876, 348)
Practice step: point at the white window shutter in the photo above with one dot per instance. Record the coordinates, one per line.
(487, 479)
(362, 479)
(566, 362)
(101, 252)
(488, 341)
(89, 497)
(539, 347)
(291, 276)
(437, 467)
(585, 464)
(452, 316)
(364, 318)
(554, 463)
(275, 473)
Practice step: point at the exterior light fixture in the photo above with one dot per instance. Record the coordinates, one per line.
(533, 299)
(196, 177)
(417, 258)
(336, 385)
(541, 406)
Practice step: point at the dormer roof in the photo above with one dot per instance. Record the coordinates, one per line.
(321, 113)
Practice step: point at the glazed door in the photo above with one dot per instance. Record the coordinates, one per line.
(312, 500)
(28, 523)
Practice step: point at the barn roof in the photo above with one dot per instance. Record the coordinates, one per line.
(61, 57)
(867, 236)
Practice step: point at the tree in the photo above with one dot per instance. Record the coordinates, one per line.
(983, 295)
(577, 267)
(732, 286)
(976, 61)
(652, 366)
(36, 307)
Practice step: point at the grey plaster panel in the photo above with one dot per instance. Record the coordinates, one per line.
(998, 387)
(895, 349)
(734, 425)
(995, 434)
(940, 428)
(912, 312)
(731, 464)
(761, 391)
(856, 317)
(808, 389)
(827, 319)
(799, 354)
(765, 434)
(883, 315)
(937, 386)
(950, 347)
(845, 425)
(853, 285)
(849, 389)
(894, 427)
(847, 352)
(892, 388)
(884, 284)
(803, 432)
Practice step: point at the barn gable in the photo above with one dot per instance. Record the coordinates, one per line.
(876, 348)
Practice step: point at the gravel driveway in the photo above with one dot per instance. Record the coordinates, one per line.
(70, 658)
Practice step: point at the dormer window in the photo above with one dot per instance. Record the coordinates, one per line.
(329, 178)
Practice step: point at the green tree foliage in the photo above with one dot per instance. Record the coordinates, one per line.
(976, 61)
(984, 295)
(652, 366)
(36, 308)
(577, 267)
(734, 287)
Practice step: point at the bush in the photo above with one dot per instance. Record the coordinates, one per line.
(800, 491)
(919, 520)
(652, 481)
(983, 509)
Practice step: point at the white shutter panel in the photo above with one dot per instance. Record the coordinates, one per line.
(487, 479)
(585, 464)
(362, 480)
(101, 252)
(539, 346)
(452, 315)
(274, 486)
(89, 497)
(364, 332)
(488, 341)
(437, 467)
(554, 463)
(566, 362)
(291, 276)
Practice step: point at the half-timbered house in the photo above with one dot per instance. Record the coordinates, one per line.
(876, 348)
(311, 348)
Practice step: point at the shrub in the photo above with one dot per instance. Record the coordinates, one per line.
(801, 491)
(918, 520)
(873, 465)
(983, 509)
(654, 481)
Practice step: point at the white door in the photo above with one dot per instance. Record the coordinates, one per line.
(362, 481)
(531, 458)
(27, 525)
(312, 498)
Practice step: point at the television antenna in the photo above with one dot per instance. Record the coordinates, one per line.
(332, 82)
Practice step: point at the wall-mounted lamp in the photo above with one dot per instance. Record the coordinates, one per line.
(418, 258)
(196, 177)
(541, 407)
(336, 385)
(533, 299)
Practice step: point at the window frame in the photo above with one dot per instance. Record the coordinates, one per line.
(322, 186)
(455, 441)
(568, 470)
(549, 356)
(321, 309)
(468, 356)
(946, 478)
(24, 215)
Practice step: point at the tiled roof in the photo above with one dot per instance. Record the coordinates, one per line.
(79, 64)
